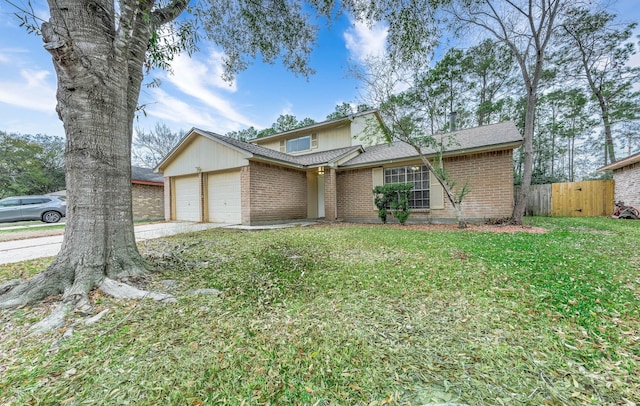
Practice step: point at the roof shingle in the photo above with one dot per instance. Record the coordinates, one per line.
(477, 138)
(145, 175)
(483, 137)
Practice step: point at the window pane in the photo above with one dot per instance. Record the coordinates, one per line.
(10, 203)
(418, 176)
(34, 200)
(299, 144)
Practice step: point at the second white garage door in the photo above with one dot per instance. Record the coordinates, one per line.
(224, 202)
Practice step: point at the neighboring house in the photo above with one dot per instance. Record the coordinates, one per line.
(626, 177)
(147, 194)
(325, 172)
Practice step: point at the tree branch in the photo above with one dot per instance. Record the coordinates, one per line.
(169, 13)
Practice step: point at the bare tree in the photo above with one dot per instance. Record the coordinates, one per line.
(598, 50)
(149, 148)
(526, 28)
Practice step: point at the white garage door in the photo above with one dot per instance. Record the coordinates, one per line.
(224, 197)
(188, 198)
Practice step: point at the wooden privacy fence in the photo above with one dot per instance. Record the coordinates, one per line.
(591, 198)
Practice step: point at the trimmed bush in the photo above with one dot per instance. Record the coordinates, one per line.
(393, 197)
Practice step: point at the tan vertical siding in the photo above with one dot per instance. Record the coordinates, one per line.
(204, 155)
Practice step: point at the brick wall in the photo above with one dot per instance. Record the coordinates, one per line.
(627, 181)
(331, 212)
(148, 202)
(245, 194)
(275, 193)
(489, 175)
(355, 197)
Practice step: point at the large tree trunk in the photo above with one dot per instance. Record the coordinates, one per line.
(96, 103)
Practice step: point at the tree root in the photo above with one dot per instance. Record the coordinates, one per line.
(53, 321)
(17, 293)
(120, 290)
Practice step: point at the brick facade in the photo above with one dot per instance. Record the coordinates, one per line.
(272, 193)
(489, 176)
(355, 196)
(330, 194)
(148, 201)
(245, 194)
(627, 181)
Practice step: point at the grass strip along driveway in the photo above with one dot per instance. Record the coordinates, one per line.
(352, 314)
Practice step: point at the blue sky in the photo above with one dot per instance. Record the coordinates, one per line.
(194, 95)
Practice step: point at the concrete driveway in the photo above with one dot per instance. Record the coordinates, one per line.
(41, 247)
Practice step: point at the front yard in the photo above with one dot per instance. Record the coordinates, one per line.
(352, 314)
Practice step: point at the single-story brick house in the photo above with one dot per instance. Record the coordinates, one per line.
(626, 177)
(147, 194)
(327, 171)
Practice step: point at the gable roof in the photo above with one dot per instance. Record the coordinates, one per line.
(256, 151)
(477, 139)
(631, 159)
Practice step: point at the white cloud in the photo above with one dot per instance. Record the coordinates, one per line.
(13, 56)
(33, 91)
(287, 109)
(185, 115)
(363, 41)
(202, 82)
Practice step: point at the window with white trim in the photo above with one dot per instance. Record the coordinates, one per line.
(418, 175)
(299, 144)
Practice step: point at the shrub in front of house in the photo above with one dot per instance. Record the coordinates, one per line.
(393, 197)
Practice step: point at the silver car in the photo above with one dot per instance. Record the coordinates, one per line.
(49, 209)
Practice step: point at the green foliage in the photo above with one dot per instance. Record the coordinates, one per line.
(284, 122)
(30, 164)
(382, 200)
(347, 109)
(243, 135)
(400, 205)
(489, 68)
(393, 197)
(166, 43)
(287, 122)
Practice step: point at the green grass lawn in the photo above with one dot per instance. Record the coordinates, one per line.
(353, 315)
